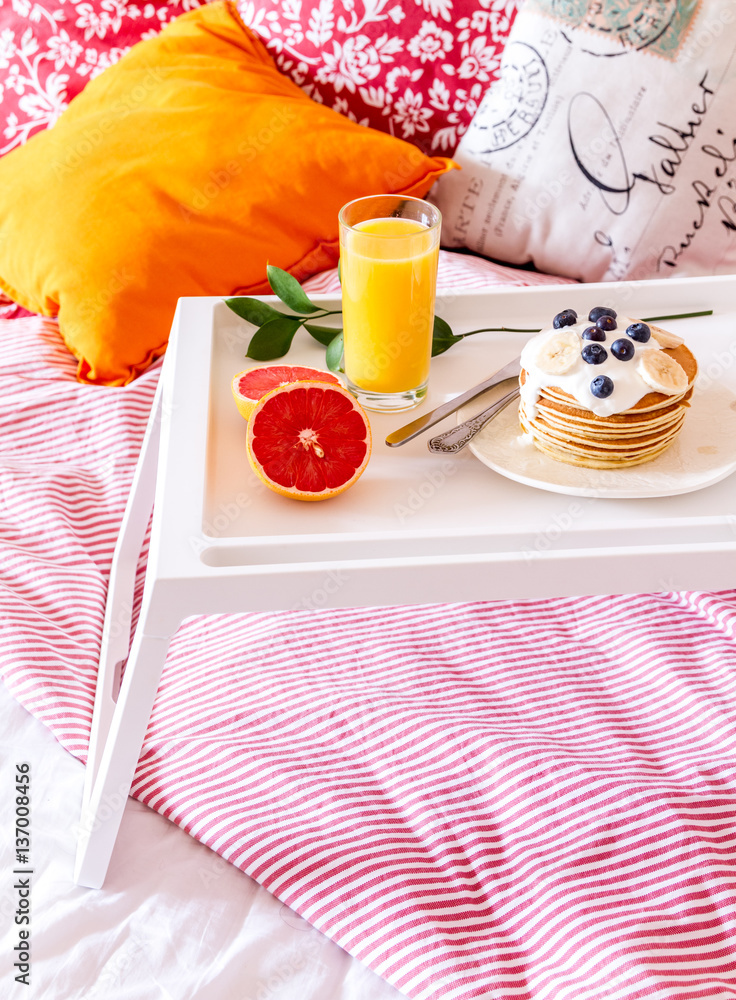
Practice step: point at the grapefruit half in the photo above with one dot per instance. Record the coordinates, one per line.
(250, 385)
(308, 440)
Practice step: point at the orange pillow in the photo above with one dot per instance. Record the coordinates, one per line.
(182, 170)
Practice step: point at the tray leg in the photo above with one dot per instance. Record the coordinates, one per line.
(119, 606)
(102, 814)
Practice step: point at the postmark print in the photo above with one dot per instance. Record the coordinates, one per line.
(511, 108)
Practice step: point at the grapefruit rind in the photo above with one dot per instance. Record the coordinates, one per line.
(306, 441)
(245, 404)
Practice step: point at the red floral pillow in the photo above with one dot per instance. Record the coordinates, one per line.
(416, 68)
(49, 49)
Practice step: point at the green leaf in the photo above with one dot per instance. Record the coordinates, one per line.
(442, 337)
(289, 290)
(324, 334)
(273, 339)
(334, 354)
(252, 310)
(339, 269)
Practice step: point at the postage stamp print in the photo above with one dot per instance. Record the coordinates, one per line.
(658, 26)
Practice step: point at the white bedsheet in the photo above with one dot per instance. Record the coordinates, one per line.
(174, 921)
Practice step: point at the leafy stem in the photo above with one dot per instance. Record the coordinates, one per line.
(663, 319)
(276, 330)
(501, 329)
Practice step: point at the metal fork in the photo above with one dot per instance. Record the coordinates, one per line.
(452, 441)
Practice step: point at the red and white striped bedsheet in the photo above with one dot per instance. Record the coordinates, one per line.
(513, 800)
(456, 270)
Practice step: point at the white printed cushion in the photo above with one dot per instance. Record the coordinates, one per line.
(606, 151)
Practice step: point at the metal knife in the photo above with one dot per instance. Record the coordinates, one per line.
(427, 420)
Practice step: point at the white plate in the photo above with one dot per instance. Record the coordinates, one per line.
(703, 454)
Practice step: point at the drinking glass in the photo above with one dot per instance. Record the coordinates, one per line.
(389, 249)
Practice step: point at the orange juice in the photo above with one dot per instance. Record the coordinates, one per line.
(389, 274)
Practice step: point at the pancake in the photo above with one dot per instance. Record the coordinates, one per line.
(644, 398)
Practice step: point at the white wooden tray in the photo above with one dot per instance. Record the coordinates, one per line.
(420, 528)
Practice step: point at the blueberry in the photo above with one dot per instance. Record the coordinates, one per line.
(593, 333)
(606, 322)
(601, 386)
(597, 311)
(622, 349)
(639, 332)
(594, 354)
(568, 317)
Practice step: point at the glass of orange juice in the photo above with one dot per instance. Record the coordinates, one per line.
(389, 249)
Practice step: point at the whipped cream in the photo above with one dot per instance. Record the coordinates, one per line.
(628, 385)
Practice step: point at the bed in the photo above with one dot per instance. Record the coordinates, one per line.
(512, 799)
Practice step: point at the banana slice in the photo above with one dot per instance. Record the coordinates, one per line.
(559, 353)
(664, 338)
(662, 373)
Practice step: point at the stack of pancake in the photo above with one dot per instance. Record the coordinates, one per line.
(564, 428)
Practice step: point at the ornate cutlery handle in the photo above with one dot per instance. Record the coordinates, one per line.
(427, 420)
(452, 441)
